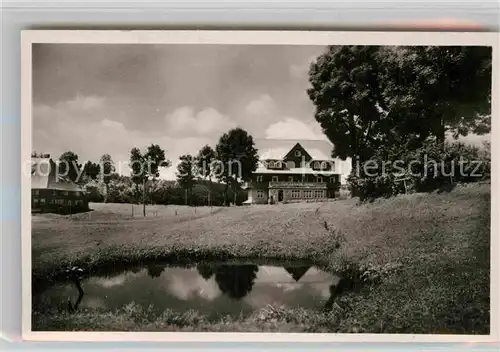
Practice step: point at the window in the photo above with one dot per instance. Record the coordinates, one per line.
(270, 165)
(308, 194)
(319, 194)
(278, 165)
(77, 194)
(295, 193)
(78, 202)
(290, 164)
(290, 178)
(65, 193)
(36, 200)
(298, 153)
(332, 179)
(42, 200)
(324, 165)
(316, 164)
(59, 201)
(260, 193)
(274, 179)
(259, 178)
(69, 202)
(54, 193)
(319, 179)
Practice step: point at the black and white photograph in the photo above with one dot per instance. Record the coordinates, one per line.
(322, 187)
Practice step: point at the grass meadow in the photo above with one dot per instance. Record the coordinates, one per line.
(427, 257)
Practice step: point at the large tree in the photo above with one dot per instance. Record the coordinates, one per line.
(204, 160)
(346, 91)
(445, 89)
(145, 166)
(107, 168)
(237, 157)
(68, 166)
(369, 98)
(91, 170)
(186, 174)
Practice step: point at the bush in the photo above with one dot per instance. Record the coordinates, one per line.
(121, 189)
(426, 169)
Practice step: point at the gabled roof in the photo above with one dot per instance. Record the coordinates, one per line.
(43, 176)
(278, 148)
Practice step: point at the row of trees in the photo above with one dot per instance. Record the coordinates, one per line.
(231, 162)
(385, 102)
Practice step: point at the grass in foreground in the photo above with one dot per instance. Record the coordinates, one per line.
(429, 252)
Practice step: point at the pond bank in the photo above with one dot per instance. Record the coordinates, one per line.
(429, 254)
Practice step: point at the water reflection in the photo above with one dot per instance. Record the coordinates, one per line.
(205, 270)
(155, 270)
(213, 289)
(73, 307)
(236, 280)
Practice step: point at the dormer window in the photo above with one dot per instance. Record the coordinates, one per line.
(316, 164)
(298, 153)
(278, 165)
(270, 164)
(324, 165)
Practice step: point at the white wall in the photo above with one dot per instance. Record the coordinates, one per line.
(344, 167)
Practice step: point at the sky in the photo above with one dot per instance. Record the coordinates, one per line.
(95, 99)
(109, 98)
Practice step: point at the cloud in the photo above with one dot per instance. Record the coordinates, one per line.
(90, 127)
(206, 122)
(262, 106)
(187, 286)
(291, 128)
(301, 70)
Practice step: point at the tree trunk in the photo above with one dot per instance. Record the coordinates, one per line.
(209, 191)
(137, 193)
(234, 194)
(441, 133)
(144, 196)
(226, 187)
(106, 191)
(186, 196)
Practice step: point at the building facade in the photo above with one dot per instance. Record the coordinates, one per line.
(296, 171)
(51, 192)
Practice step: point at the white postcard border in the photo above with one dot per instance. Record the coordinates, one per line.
(249, 38)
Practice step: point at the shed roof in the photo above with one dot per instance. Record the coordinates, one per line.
(44, 176)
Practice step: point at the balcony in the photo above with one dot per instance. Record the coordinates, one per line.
(297, 184)
(284, 184)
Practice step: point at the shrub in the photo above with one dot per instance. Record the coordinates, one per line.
(425, 169)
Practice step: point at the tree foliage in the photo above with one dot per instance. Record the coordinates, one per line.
(186, 173)
(204, 166)
(445, 89)
(346, 91)
(369, 98)
(68, 165)
(145, 166)
(91, 170)
(237, 157)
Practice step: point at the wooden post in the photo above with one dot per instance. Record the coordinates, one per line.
(144, 196)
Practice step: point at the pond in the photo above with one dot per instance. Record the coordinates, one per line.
(213, 289)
